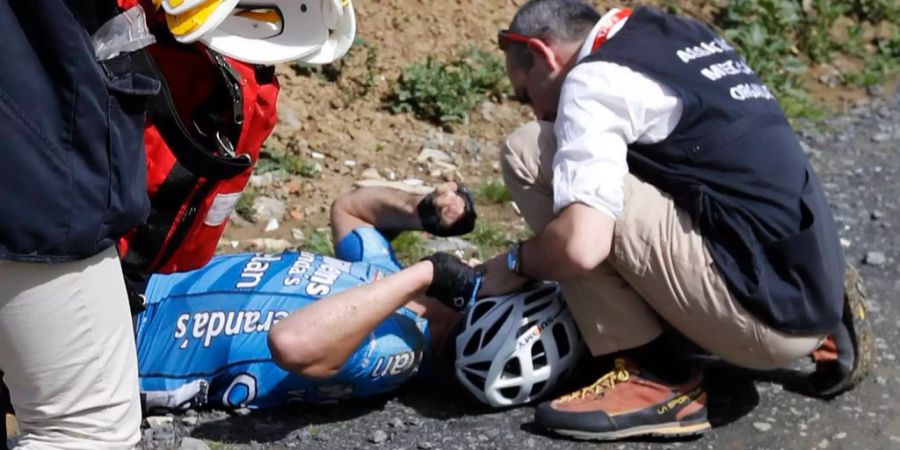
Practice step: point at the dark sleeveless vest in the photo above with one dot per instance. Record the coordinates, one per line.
(735, 165)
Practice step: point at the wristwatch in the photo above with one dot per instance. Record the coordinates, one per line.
(514, 259)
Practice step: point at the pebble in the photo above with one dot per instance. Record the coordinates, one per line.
(876, 215)
(372, 174)
(424, 446)
(414, 421)
(378, 437)
(190, 443)
(762, 426)
(242, 412)
(881, 381)
(271, 225)
(448, 245)
(265, 208)
(875, 258)
(160, 421)
(881, 137)
(824, 443)
(839, 436)
(397, 423)
(317, 155)
(297, 234)
(190, 421)
(269, 244)
(432, 155)
(350, 163)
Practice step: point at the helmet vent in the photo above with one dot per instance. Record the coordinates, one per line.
(481, 308)
(473, 344)
(492, 331)
(562, 339)
(475, 379)
(512, 369)
(535, 296)
(510, 392)
(538, 355)
(536, 389)
(537, 308)
(482, 366)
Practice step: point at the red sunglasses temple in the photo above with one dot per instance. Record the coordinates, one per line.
(504, 36)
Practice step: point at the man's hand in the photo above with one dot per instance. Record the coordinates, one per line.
(448, 211)
(499, 279)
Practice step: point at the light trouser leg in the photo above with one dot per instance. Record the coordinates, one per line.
(659, 251)
(659, 268)
(610, 314)
(68, 354)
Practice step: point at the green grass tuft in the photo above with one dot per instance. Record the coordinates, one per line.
(445, 92)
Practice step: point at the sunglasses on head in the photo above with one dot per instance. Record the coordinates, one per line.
(505, 36)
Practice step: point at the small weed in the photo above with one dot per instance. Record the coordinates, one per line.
(494, 192)
(270, 160)
(408, 247)
(320, 243)
(244, 206)
(492, 239)
(445, 92)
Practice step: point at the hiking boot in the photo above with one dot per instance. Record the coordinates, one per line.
(625, 403)
(845, 357)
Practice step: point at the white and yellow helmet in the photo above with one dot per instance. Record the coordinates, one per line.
(266, 31)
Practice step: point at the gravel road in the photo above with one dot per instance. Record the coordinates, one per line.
(857, 155)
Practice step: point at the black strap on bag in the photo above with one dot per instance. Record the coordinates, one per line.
(150, 237)
(216, 162)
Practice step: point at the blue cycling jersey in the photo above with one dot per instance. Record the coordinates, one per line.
(204, 332)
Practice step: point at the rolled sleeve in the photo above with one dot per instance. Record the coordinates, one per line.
(603, 108)
(591, 161)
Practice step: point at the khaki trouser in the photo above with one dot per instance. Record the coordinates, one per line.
(658, 269)
(68, 354)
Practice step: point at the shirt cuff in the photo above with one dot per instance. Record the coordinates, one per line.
(604, 197)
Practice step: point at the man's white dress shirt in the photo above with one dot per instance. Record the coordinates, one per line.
(603, 107)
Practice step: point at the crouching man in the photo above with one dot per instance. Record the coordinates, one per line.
(667, 191)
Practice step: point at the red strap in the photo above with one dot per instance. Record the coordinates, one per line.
(604, 30)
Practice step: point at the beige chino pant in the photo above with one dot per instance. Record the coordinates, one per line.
(68, 354)
(658, 270)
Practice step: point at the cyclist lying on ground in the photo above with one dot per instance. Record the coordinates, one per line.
(225, 334)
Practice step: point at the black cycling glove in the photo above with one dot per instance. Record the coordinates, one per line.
(431, 221)
(455, 284)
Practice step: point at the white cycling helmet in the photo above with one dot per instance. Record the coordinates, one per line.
(266, 31)
(515, 348)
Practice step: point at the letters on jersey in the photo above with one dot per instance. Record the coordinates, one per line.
(209, 327)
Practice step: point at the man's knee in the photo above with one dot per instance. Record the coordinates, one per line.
(520, 152)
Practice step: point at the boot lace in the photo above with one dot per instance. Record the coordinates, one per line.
(619, 374)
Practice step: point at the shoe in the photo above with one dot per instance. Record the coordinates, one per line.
(845, 357)
(626, 403)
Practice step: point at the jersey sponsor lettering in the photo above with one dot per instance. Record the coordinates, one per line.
(205, 326)
(254, 270)
(397, 364)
